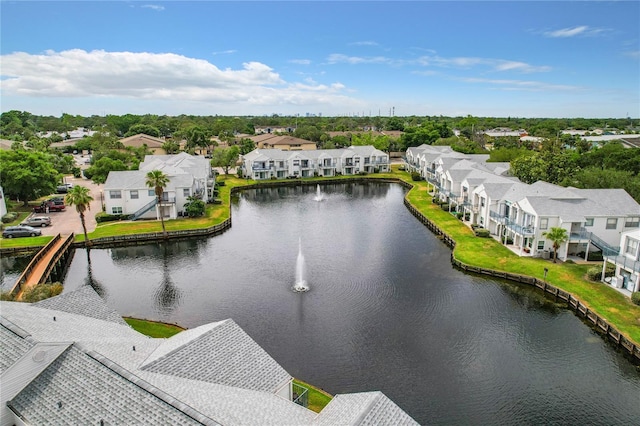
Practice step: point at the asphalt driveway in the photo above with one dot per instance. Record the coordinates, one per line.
(68, 221)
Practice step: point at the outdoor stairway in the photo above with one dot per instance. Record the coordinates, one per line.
(144, 209)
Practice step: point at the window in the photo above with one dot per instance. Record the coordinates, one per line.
(544, 223)
(632, 222)
(482, 202)
(296, 162)
(541, 245)
(116, 210)
(612, 223)
(588, 221)
(186, 192)
(152, 193)
(631, 247)
(115, 194)
(134, 194)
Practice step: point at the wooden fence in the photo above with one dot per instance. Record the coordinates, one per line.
(573, 303)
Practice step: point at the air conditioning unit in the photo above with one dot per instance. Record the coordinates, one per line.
(619, 281)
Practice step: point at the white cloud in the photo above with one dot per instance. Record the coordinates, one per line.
(155, 7)
(224, 52)
(336, 58)
(364, 43)
(469, 62)
(581, 30)
(153, 76)
(526, 85)
(300, 61)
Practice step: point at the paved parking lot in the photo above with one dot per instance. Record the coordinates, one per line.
(68, 221)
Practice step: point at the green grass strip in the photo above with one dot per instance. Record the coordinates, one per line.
(153, 328)
(318, 399)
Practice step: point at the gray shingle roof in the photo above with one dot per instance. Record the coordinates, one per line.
(11, 348)
(84, 301)
(222, 354)
(77, 389)
(367, 408)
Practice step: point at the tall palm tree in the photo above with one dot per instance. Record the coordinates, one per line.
(80, 197)
(557, 237)
(158, 180)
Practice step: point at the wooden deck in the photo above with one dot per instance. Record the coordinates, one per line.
(40, 267)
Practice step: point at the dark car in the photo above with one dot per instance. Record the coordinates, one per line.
(64, 188)
(48, 206)
(34, 221)
(20, 231)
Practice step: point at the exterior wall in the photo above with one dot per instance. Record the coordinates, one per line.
(3, 203)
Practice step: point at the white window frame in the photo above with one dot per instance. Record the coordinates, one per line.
(186, 192)
(114, 195)
(612, 223)
(632, 222)
(631, 246)
(588, 221)
(134, 194)
(116, 210)
(544, 222)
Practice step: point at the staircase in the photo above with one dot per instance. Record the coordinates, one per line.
(144, 209)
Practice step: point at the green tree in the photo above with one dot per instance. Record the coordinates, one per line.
(171, 147)
(558, 236)
(246, 146)
(101, 167)
(80, 197)
(157, 180)
(194, 207)
(225, 157)
(147, 129)
(27, 175)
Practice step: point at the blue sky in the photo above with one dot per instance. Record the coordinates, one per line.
(452, 58)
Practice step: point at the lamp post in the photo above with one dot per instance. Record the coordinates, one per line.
(545, 274)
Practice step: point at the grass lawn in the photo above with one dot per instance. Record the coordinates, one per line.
(153, 328)
(488, 253)
(318, 399)
(481, 252)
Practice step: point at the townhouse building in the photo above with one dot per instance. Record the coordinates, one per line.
(520, 214)
(262, 164)
(626, 263)
(126, 192)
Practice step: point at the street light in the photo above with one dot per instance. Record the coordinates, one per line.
(545, 273)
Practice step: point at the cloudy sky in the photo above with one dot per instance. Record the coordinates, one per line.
(498, 58)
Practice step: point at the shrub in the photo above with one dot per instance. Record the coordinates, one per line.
(9, 217)
(609, 270)
(415, 176)
(41, 292)
(595, 273)
(635, 297)
(105, 217)
(595, 256)
(482, 233)
(459, 215)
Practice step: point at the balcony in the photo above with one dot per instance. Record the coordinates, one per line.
(625, 263)
(525, 230)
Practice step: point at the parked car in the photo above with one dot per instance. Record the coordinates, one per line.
(48, 206)
(57, 200)
(64, 188)
(40, 221)
(20, 231)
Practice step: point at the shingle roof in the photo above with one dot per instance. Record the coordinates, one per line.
(368, 408)
(104, 370)
(77, 389)
(84, 301)
(11, 348)
(222, 354)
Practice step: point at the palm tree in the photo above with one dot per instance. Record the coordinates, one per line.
(158, 180)
(557, 237)
(80, 197)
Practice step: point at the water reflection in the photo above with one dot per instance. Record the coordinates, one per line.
(167, 296)
(10, 269)
(387, 311)
(91, 280)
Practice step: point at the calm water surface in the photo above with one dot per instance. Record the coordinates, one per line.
(386, 311)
